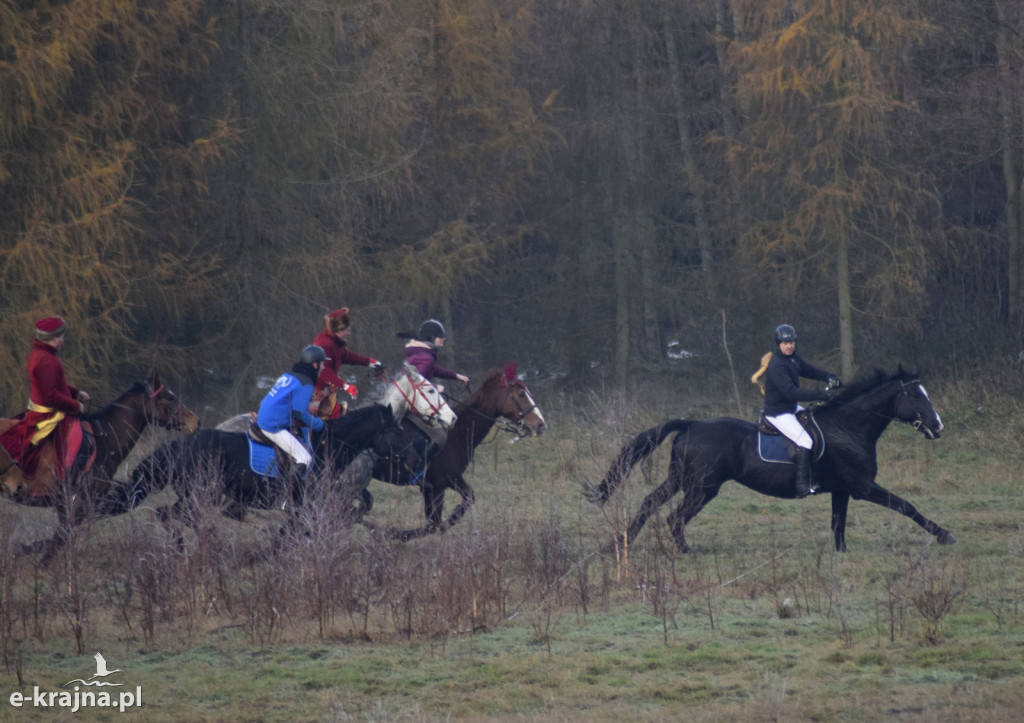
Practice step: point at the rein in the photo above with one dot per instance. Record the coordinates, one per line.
(502, 423)
(435, 411)
(894, 416)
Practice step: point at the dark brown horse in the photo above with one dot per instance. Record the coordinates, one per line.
(501, 399)
(114, 431)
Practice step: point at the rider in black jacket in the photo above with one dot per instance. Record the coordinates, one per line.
(782, 397)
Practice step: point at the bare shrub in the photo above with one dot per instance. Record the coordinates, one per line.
(933, 589)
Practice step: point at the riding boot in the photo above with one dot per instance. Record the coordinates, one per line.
(804, 484)
(298, 484)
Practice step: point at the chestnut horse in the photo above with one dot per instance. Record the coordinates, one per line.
(502, 399)
(114, 431)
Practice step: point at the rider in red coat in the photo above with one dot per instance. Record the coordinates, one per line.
(51, 398)
(337, 327)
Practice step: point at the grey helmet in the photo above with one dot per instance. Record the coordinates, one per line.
(784, 332)
(313, 354)
(431, 329)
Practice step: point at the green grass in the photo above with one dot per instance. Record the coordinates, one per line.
(515, 615)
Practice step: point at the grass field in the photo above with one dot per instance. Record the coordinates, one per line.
(515, 614)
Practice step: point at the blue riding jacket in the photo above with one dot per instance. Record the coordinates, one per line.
(288, 399)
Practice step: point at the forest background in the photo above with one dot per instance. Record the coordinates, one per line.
(589, 186)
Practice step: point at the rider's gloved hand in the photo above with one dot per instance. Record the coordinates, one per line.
(351, 390)
(377, 366)
(834, 382)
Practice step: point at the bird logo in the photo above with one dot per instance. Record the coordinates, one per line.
(101, 672)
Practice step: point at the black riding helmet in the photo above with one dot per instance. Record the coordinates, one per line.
(312, 354)
(784, 332)
(431, 329)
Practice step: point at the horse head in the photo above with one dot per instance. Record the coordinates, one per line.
(417, 394)
(913, 406)
(163, 408)
(518, 405)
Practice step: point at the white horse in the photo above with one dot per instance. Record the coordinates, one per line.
(408, 391)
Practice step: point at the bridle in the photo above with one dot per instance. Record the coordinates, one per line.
(904, 395)
(417, 389)
(518, 425)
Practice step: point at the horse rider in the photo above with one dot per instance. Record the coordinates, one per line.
(421, 352)
(53, 403)
(782, 395)
(337, 327)
(288, 402)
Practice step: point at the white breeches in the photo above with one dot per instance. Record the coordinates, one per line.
(290, 444)
(790, 426)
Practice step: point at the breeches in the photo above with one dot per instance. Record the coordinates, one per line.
(789, 426)
(290, 444)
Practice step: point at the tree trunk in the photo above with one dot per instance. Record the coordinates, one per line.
(1012, 126)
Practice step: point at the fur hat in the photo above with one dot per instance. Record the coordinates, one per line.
(338, 320)
(50, 328)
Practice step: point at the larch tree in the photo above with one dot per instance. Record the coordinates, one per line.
(835, 205)
(96, 171)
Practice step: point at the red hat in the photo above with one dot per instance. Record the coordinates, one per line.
(49, 328)
(338, 320)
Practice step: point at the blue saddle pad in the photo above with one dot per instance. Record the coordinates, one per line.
(262, 458)
(773, 448)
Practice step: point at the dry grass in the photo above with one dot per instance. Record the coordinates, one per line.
(515, 614)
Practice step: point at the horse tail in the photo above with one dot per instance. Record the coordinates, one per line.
(638, 449)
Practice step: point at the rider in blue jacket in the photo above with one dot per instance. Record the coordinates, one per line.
(288, 401)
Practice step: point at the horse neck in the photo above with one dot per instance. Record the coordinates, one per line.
(478, 415)
(356, 437)
(397, 398)
(117, 428)
(873, 411)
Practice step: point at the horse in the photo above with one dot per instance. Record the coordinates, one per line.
(406, 392)
(501, 398)
(706, 454)
(190, 463)
(113, 431)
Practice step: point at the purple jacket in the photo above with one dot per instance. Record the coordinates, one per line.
(423, 356)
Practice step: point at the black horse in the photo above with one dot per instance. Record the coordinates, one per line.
(706, 454)
(224, 456)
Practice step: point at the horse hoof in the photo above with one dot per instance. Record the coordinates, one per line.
(945, 538)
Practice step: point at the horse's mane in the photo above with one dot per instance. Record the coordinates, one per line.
(476, 397)
(136, 388)
(866, 382)
(356, 419)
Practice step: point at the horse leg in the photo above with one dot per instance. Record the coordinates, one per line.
(659, 496)
(468, 498)
(69, 515)
(694, 500)
(840, 503)
(881, 496)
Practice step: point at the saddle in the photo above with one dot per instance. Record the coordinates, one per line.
(266, 458)
(773, 446)
(38, 469)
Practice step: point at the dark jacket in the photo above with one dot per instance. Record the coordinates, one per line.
(782, 389)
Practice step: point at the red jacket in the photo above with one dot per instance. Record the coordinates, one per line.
(48, 386)
(337, 354)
